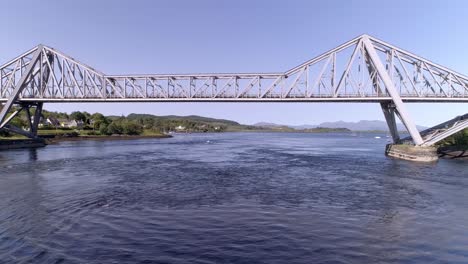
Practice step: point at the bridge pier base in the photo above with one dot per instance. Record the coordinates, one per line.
(412, 153)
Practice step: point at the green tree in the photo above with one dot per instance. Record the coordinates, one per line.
(19, 121)
(98, 119)
(97, 116)
(103, 129)
(131, 128)
(87, 117)
(79, 116)
(115, 128)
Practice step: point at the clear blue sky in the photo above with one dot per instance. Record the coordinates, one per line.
(123, 37)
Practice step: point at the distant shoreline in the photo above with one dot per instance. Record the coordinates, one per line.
(65, 137)
(308, 132)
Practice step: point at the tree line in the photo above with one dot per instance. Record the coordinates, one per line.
(133, 124)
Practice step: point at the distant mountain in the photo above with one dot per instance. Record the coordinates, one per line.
(364, 125)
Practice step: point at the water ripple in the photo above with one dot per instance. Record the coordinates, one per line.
(241, 198)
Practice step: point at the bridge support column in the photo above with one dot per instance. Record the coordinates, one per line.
(36, 119)
(400, 108)
(389, 111)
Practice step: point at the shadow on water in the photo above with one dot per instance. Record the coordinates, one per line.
(32, 154)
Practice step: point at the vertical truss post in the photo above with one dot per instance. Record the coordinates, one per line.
(388, 109)
(104, 88)
(399, 106)
(333, 76)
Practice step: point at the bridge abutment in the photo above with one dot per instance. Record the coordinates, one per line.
(412, 153)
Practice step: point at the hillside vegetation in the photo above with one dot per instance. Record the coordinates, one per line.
(85, 124)
(459, 139)
(133, 124)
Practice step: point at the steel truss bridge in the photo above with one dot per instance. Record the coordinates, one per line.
(364, 69)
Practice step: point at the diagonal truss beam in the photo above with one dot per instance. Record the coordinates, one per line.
(387, 80)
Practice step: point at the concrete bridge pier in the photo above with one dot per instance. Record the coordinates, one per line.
(399, 149)
(412, 152)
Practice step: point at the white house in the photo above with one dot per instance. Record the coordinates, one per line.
(180, 128)
(73, 124)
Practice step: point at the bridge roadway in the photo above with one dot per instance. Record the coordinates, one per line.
(330, 99)
(364, 69)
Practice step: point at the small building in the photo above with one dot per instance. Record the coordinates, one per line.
(180, 128)
(52, 121)
(72, 124)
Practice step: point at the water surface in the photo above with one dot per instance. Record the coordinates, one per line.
(231, 198)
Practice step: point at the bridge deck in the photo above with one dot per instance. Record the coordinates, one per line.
(244, 100)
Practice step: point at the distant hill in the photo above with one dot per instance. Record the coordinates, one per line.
(324, 130)
(190, 117)
(363, 125)
(272, 126)
(304, 126)
(195, 123)
(266, 124)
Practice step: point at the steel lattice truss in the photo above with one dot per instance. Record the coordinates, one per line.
(345, 73)
(364, 69)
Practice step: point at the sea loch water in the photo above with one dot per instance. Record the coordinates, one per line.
(231, 198)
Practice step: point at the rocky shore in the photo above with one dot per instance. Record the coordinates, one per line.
(453, 152)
